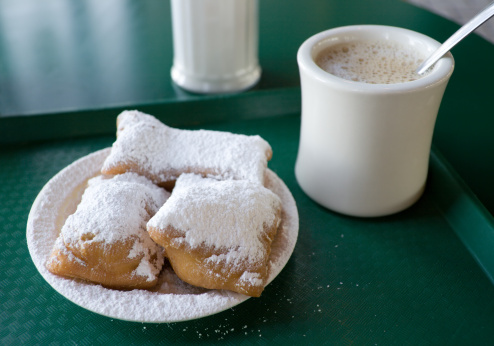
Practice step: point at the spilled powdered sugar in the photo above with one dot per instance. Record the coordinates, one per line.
(165, 152)
(212, 218)
(172, 300)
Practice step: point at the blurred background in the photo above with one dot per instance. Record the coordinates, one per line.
(459, 11)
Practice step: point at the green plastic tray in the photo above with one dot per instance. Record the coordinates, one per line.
(422, 276)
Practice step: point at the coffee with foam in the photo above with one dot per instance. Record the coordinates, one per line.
(373, 62)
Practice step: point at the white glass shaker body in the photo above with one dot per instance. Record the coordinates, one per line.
(215, 45)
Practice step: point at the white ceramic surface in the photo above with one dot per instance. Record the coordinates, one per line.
(364, 148)
(215, 45)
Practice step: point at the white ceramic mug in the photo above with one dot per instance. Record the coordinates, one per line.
(215, 45)
(364, 148)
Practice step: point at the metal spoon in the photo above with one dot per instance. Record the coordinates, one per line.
(466, 29)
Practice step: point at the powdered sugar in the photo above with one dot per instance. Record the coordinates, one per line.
(146, 269)
(172, 300)
(162, 153)
(212, 218)
(253, 278)
(113, 210)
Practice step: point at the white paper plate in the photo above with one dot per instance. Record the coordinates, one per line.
(172, 300)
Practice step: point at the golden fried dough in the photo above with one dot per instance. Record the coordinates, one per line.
(105, 241)
(218, 234)
(146, 146)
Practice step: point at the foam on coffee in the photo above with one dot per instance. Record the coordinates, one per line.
(374, 62)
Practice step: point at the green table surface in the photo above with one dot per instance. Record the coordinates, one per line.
(423, 276)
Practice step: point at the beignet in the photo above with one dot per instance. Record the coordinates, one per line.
(147, 146)
(105, 241)
(218, 234)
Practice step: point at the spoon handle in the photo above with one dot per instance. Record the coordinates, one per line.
(466, 29)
